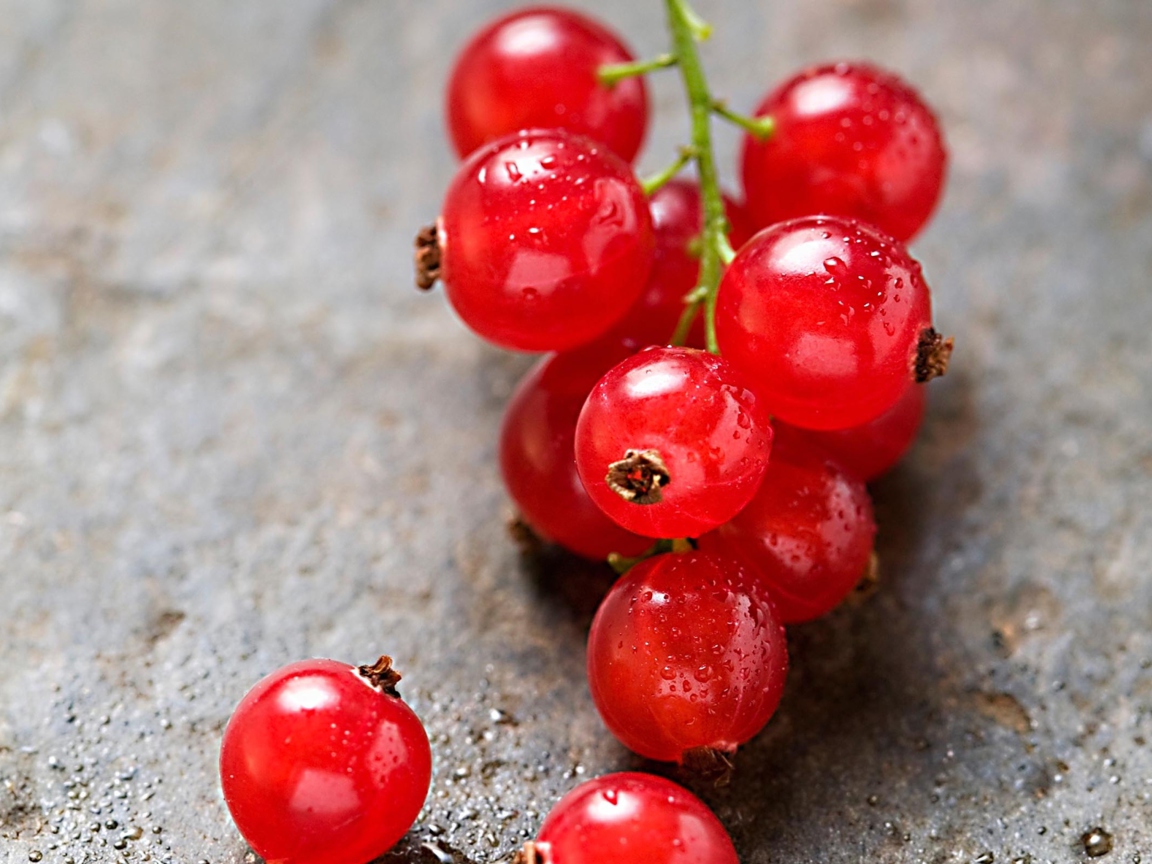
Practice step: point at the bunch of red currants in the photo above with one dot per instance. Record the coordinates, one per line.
(724, 378)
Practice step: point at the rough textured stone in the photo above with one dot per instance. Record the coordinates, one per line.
(231, 436)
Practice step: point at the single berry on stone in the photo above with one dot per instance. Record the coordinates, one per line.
(323, 763)
(630, 818)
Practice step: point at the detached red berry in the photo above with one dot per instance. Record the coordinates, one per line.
(686, 657)
(536, 68)
(543, 242)
(323, 763)
(630, 818)
(829, 319)
(672, 442)
(850, 140)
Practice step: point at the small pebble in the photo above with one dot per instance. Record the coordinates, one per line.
(1097, 842)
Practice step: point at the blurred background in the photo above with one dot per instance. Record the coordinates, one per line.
(233, 435)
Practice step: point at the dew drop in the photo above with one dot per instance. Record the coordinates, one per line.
(513, 170)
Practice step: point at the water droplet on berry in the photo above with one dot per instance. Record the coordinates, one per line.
(514, 173)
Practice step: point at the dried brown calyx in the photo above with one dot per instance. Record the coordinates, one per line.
(932, 355)
(528, 855)
(427, 257)
(713, 765)
(382, 676)
(639, 477)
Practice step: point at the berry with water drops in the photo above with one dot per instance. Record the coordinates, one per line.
(630, 818)
(871, 449)
(323, 763)
(536, 68)
(849, 140)
(808, 532)
(686, 654)
(829, 319)
(672, 442)
(544, 241)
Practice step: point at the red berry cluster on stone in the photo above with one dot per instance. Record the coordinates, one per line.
(723, 379)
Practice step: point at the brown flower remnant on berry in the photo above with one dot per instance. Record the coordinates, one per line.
(528, 855)
(382, 676)
(709, 763)
(932, 355)
(639, 476)
(427, 257)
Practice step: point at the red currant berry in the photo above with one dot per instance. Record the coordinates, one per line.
(544, 241)
(808, 532)
(324, 764)
(829, 319)
(536, 68)
(631, 818)
(851, 140)
(537, 452)
(671, 442)
(873, 448)
(676, 217)
(686, 655)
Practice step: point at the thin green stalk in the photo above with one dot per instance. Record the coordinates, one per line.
(651, 184)
(760, 128)
(686, 29)
(614, 73)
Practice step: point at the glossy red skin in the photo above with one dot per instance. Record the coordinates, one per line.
(538, 458)
(823, 315)
(536, 68)
(319, 767)
(686, 651)
(872, 449)
(676, 219)
(850, 140)
(707, 425)
(546, 241)
(633, 818)
(808, 532)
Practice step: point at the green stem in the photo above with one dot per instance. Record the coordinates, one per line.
(654, 182)
(686, 28)
(760, 128)
(614, 73)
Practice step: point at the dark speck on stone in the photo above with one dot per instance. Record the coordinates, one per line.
(1097, 842)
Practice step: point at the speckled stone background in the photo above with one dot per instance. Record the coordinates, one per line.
(232, 435)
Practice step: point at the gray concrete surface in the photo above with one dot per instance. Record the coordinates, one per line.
(232, 436)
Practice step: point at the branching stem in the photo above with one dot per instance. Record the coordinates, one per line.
(686, 29)
(614, 73)
(651, 184)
